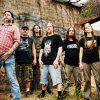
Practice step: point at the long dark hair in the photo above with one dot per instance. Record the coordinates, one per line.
(12, 15)
(34, 31)
(73, 37)
(85, 34)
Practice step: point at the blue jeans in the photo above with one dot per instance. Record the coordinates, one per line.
(54, 73)
(9, 66)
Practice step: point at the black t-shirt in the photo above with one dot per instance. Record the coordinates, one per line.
(50, 47)
(71, 49)
(23, 54)
(90, 55)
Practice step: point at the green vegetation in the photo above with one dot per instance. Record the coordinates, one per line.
(87, 11)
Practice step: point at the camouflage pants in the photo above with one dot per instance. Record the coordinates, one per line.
(69, 70)
(24, 72)
(95, 67)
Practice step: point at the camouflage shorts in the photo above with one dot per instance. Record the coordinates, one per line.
(24, 72)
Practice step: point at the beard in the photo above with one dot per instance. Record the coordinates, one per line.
(48, 32)
(71, 36)
(7, 20)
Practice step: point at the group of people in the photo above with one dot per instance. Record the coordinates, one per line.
(31, 54)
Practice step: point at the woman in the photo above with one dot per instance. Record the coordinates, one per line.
(89, 60)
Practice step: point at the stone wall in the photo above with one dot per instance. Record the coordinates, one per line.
(40, 12)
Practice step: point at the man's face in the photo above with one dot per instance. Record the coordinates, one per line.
(36, 29)
(25, 31)
(7, 17)
(71, 32)
(49, 28)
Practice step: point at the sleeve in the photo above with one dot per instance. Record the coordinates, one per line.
(81, 42)
(16, 35)
(98, 40)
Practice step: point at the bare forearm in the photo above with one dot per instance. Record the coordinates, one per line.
(34, 51)
(14, 47)
(40, 54)
(80, 55)
(59, 53)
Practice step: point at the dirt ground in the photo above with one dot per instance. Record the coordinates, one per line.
(6, 95)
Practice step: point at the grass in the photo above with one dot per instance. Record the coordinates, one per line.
(48, 96)
(72, 96)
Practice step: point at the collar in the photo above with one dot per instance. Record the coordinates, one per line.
(7, 25)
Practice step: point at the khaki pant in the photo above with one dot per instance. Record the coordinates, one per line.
(24, 72)
(69, 70)
(95, 67)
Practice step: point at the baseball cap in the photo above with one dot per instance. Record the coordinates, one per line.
(25, 27)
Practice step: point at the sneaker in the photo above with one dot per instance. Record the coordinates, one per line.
(27, 93)
(41, 95)
(60, 98)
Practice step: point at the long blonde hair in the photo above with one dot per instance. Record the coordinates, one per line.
(85, 34)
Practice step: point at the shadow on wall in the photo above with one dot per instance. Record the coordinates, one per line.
(27, 19)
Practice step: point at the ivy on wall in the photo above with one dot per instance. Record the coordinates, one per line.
(91, 9)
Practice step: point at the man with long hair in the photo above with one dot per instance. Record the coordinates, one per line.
(9, 41)
(89, 60)
(37, 38)
(51, 49)
(71, 61)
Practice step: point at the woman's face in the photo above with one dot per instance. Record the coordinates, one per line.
(88, 28)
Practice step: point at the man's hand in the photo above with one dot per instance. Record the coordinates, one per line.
(34, 62)
(81, 66)
(1, 53)
(40, 63)
(55, 63)
(5, 56)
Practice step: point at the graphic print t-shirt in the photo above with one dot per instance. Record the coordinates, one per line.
(90, 54)
(50, 47)
(71, 49)
(23, 55)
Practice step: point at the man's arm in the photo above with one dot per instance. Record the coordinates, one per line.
(34, 53)
(80, 58)
(11, 50)
(40, 57)
(56, 62)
